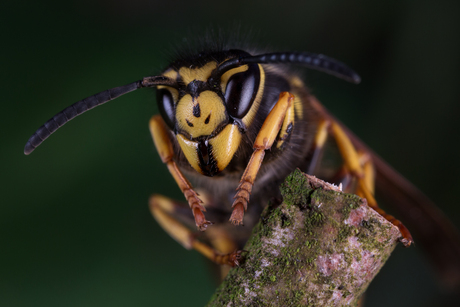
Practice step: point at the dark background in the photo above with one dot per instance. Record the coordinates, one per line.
(75, 229)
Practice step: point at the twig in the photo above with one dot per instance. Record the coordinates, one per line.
(320, 247)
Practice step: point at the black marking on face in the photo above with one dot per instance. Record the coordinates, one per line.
(189, 123)
(196, 110)
(195, 87)
(207, 163)
(206, 121)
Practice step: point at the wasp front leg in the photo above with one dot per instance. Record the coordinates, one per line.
(175, 220)
(164, 147)
(264, 140)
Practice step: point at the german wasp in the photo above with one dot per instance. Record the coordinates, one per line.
(232, 119)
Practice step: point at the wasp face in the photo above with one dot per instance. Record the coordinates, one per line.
(210, 116)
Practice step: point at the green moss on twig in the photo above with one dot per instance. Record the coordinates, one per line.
(320, 247)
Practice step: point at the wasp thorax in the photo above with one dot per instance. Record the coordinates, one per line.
(200, 115)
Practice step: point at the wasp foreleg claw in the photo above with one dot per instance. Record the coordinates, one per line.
(232, 259)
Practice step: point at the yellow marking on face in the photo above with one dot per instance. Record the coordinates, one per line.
(249, 118)
(224, 145)
(189, 148)
(226, 76)
(201, 115)
(174, 92)
(171, 73)
(201, 74)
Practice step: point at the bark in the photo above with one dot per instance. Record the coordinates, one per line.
(320, 247)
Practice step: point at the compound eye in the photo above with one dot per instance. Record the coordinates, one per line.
(241, 90)
(166, 106)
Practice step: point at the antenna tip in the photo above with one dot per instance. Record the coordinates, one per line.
(356, 78)
(28, 148)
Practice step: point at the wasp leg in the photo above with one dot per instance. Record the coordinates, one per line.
(168, 213)
(222, 242)
(287, 126)
(360, 166)
(365, 193)
(318, 146)
(364, 172)
(165, 149)
(264, 140)
(369, 171)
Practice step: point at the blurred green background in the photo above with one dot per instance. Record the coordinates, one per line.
(75, 229)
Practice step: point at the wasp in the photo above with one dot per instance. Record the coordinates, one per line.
(232, 125)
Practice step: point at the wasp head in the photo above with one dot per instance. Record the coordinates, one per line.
(209, 114)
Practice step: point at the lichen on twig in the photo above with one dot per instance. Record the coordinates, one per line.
(320, 247)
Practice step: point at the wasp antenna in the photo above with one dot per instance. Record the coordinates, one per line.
(311, 60)
(77, 108)
(86, 104)
(158, 80)
(225, 66)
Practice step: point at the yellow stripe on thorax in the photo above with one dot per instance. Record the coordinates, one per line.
(296, 82)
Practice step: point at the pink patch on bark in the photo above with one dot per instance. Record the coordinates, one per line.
(356, 217)
(365, 268)
(329, 263)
